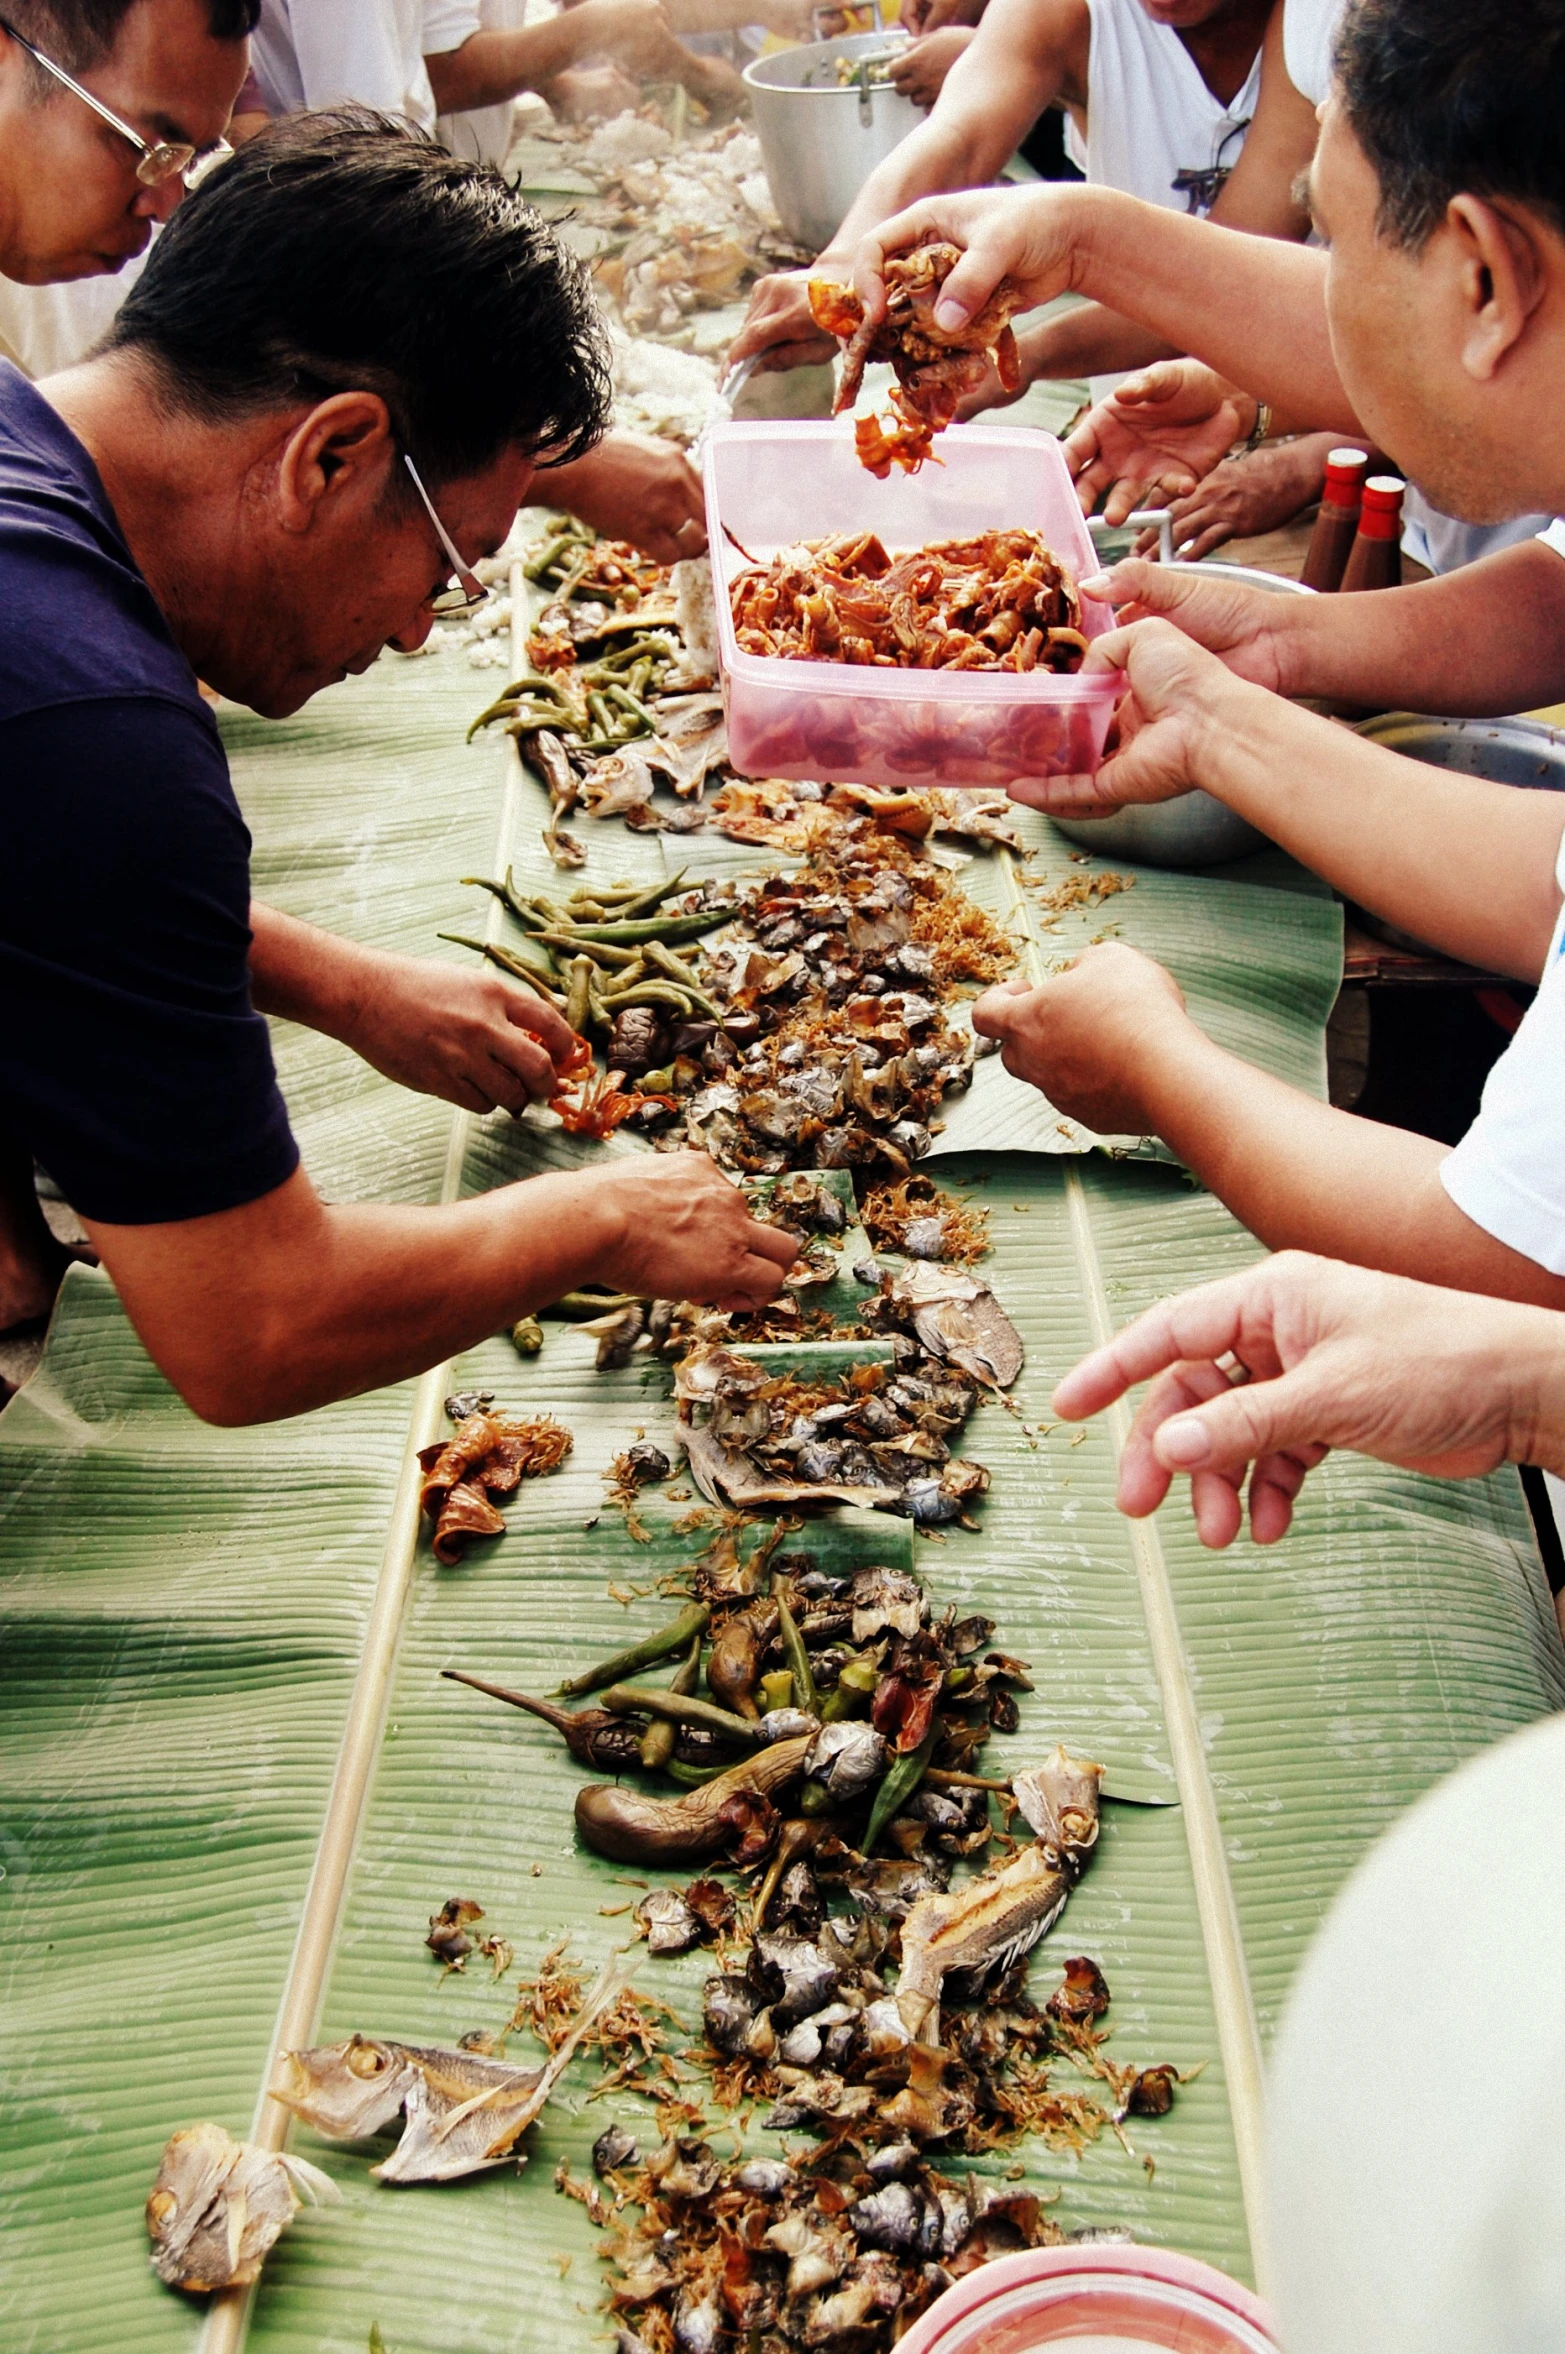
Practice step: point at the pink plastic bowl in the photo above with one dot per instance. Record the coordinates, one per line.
(1097, 2298)
(770, 484)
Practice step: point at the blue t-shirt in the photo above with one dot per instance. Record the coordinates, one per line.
(132, 1063)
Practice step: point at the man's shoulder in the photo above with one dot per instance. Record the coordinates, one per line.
(80, 620)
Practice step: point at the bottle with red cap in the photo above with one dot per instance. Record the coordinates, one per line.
(1331, 542)
(1376, 559)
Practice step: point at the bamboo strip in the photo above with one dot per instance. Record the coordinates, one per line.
(1238, 2035)
(228, 2317)
(1237, 2032)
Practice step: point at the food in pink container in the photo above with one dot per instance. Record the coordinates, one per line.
(1093, 2300)
(771, 485)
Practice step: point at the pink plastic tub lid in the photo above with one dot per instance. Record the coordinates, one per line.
(1097, 2298)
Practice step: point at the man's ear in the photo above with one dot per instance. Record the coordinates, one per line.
(1503, 275)
(343, 450)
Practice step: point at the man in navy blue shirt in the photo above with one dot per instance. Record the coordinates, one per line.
(335, 377)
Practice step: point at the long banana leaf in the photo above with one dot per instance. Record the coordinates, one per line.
(233, 1786)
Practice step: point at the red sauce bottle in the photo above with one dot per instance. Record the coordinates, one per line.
(1376, 560)
(1336, 526)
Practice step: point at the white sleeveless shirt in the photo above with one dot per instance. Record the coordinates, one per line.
(1152, 121)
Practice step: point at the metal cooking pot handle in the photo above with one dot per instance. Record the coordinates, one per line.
(820, 11)
(1160, 518)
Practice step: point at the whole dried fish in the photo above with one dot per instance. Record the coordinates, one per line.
(463, 2111)
(218, 2206)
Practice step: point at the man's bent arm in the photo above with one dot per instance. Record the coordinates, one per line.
(1303, 1176)
(281, 1305)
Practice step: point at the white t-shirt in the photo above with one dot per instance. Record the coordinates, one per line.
(1151, 118)
(1309, 29)
(484, 132)
(364, 52)
(45, 328)
(1508, 1172)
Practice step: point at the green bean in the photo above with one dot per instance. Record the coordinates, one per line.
(542, 560)
(647, 1700)
(804, 1692)
(513, 901)
(674, 1637)
(657, 1742)
(579, 976)
(652, 993)
(642, 903)
(581, 1306)
(692, 1776)
(669, 965)
(558, 936)
(517, 966)
(898, 1783)
(614, 693)
(636, 932)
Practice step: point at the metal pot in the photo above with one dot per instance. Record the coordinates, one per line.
(1507, 751)
(820, 142)
(1196, 829)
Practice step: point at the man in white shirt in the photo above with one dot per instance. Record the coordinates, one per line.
(1164, 89)
(1440, 185)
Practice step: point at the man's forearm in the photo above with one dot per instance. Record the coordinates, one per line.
(304, 974)
(489, 68)
(1487, 639)
(1303, 1176)
(1464, 864)
(1253, 308)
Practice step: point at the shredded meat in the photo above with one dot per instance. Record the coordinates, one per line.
(1002, 601)
(934, 365)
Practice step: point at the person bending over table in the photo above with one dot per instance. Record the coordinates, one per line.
(1446, 301)
(1167, 89)
(229, 489)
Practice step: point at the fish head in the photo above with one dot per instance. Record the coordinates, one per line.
(1060, 1801)
(345, 2090)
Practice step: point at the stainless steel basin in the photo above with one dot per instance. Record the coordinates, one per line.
(1508, 751)
(819, 141)
(1196, 829)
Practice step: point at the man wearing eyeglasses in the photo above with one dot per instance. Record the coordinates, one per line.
(276, 467)
(109, 110)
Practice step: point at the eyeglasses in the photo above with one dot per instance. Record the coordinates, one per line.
(168, 159)
(471, 591)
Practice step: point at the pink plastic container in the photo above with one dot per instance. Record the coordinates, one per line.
(772, 483)
(1093, 2300)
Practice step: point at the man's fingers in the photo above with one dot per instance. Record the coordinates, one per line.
(1274, 1483)
(522, 1072)
(1217, 1510)
(773, 1243)
(1264, 1418)
(969, 286)
(535, 1019)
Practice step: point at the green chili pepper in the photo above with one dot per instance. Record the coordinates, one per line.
(657, 1742)
(691, 1621)
(647, 1700)
(855, 1689)
(805, 1694)
(776, 1690)
(692, 1776)
(898, 1783)
(643, 902)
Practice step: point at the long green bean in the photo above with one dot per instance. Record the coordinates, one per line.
(804, 1692)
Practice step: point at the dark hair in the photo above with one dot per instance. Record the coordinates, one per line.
(80, 33)
(345, 251)
(1454, 96)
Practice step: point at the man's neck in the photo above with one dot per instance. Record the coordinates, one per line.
(176, 508)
